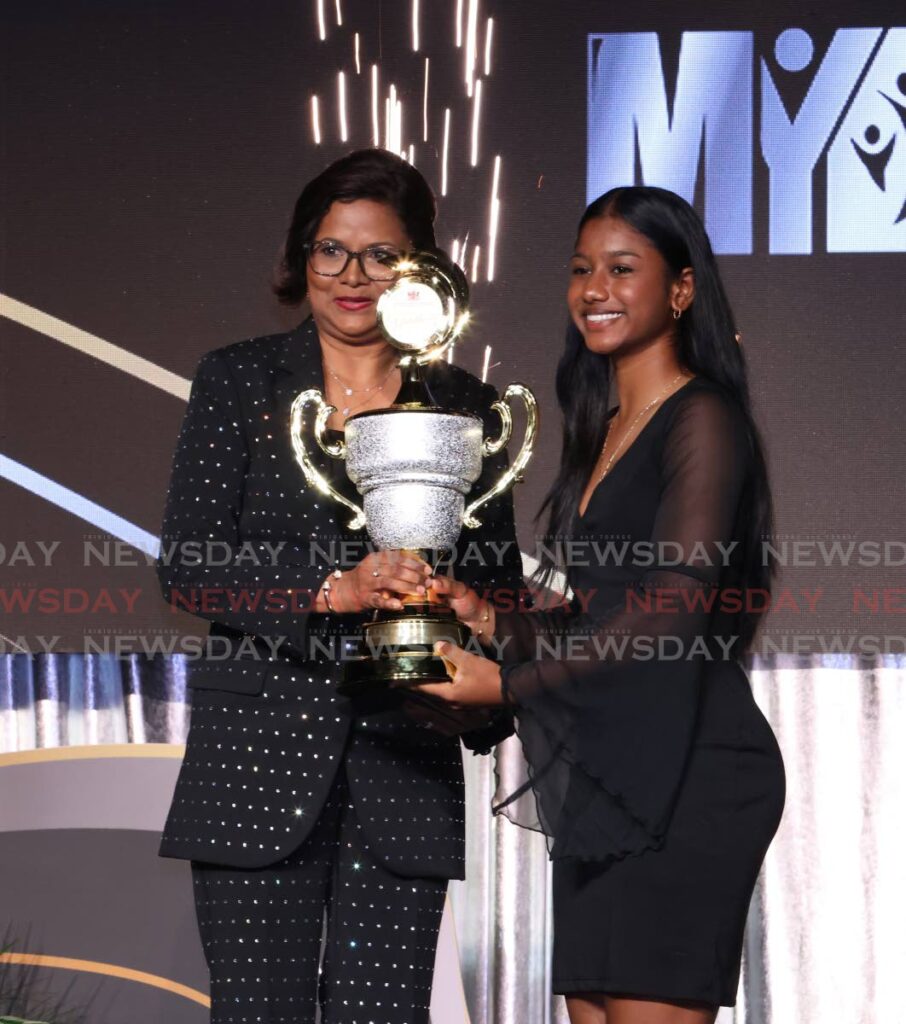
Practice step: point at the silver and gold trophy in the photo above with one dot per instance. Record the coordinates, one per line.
(413, 465)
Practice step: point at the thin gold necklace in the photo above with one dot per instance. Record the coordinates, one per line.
(654, 401)
(349, 391)
(347, 412)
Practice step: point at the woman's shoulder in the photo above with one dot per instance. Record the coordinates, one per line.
(705, 400)
(260, 354)
(705, 413)
(267, 349)
(253, 348)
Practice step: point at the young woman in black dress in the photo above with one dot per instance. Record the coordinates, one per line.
(657, 779)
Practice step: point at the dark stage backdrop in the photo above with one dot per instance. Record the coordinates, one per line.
(152, 151)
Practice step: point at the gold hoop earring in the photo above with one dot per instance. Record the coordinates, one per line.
(677, 313)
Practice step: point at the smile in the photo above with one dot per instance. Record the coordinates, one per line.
(600, 318)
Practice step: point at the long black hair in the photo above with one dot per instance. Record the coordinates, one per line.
(707, 346)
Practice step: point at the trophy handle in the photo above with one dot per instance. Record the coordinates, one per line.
(513, 473)
(335, 449)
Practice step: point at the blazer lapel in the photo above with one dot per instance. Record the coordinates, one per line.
(300, 368)
(299, 365)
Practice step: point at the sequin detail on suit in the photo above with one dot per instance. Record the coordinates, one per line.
(270, 739)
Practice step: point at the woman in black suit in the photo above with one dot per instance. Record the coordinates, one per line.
(291, 803)
(658, 780)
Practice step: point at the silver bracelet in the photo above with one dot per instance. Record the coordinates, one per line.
(484, 618)
(326, 587)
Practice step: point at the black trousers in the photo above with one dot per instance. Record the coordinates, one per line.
(261, 931)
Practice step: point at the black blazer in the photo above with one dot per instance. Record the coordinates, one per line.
(268, 730)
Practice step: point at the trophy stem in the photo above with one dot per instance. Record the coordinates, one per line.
(397, 647)
(414, 393)
(435, 559)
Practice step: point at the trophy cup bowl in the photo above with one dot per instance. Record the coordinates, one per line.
(414, 469)
(414, 466)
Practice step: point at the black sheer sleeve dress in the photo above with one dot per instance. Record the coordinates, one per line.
(658, 781)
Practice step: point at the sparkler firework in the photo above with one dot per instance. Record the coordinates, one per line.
(450, 67)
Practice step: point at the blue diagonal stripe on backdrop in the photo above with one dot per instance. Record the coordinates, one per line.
(78, 505)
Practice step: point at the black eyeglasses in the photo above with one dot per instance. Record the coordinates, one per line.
(330, 259)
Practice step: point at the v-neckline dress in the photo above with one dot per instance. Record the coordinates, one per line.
(657, 779)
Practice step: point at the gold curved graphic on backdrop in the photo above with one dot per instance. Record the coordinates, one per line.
(94, 752)
(67, 963)
(92, 345)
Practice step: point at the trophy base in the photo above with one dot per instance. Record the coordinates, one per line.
(397, 650)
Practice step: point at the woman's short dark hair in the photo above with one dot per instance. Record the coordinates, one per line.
(364, 174)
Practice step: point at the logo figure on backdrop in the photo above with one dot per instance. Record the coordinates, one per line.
(848, 126)
(866, 163)
(876, 161)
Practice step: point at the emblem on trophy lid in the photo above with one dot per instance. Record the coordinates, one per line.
(426, 309)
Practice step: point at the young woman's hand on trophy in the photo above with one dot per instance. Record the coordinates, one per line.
(473, 611)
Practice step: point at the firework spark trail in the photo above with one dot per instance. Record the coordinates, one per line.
(425, 105)
(488, 35)
(391, 124)
(476, 118)
(390, 138)
(474, 34)
(445, 153)
(341, 103)
(487, 363)
(315, 121)
(375, 120)
(396, 112)
(471, 45)
(493, 220)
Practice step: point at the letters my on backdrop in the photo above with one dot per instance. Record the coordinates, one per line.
(851, 124)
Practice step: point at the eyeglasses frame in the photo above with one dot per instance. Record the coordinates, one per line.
(350, 254)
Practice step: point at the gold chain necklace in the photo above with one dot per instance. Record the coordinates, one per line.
(629, 430)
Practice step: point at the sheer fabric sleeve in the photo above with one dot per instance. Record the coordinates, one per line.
(606, 707)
